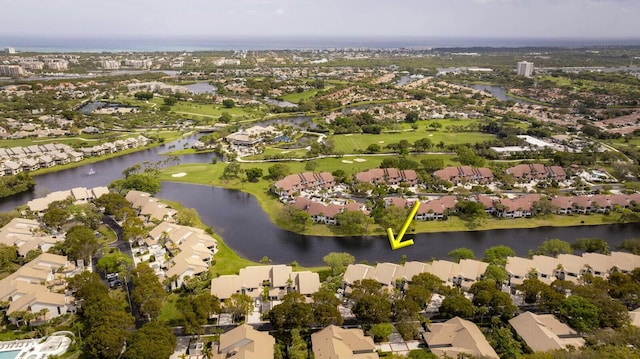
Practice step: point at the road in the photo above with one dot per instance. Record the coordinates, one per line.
(124, 247)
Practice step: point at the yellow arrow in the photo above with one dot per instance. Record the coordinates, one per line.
(396, 243)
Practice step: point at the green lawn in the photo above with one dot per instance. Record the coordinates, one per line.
(559, 81)
(170, 313)
(454, 224)
(205, 110)
(286, 153)
(622, 142)
(353, 143)
(299, 96)
(227, 262)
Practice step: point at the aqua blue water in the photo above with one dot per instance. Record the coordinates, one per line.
(10, 354)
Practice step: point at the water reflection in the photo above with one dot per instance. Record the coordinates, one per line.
(247, 229)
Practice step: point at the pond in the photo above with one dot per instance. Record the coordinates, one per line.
(200, 88)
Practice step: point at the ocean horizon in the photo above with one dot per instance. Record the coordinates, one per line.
(193, 44)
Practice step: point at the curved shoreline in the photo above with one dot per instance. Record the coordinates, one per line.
(453, 224)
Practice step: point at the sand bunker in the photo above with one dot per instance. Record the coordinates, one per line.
(380, 141)
(347, 161)
(360, 160)
(181, 174)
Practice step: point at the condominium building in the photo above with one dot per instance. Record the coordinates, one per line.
(110, 64)
(11, 70)
(525, 69)
(56, 64)
(139, 64)
(31, 64)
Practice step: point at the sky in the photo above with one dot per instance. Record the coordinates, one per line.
(328, 18)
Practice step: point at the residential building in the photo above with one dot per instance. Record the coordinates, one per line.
(544, 332)
(334, 342)
(436, 209)
(518, 269)
(139, 64)
(520, 207)
(57, 64)
(634, 315)
(277, 279)
(326, 213)
(110, 64)
(35, 287)
(244, 342)
(291, 184)
(389, 176)
(78, 194)
(465, 174)
(191, 249)
(11, 70)
(536, 171)
(457, 336)
(469, 271)
(525, 69)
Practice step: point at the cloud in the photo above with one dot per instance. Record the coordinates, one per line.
(279, 11)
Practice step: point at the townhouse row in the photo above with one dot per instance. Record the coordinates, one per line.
(273, 280)
(463, 274)
(77, 195)
(291, 184)
(15, 160)
(483, 175)
(441, 207)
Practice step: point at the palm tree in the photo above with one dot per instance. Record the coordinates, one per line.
(207, 353)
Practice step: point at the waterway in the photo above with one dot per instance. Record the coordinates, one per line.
(105, 172)
(238, 218)
(279, 103)
(201, 87)
(498, 92)
(244, 226)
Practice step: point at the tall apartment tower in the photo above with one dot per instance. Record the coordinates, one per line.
(525, 68)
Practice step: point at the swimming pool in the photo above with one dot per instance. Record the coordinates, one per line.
(10, 354)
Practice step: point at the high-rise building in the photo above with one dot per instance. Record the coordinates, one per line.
(525, 69)
(9, 50)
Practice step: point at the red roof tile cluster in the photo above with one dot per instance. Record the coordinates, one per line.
(438, 205)
(524, 203)
(464, 173)
(304, 180)
(537, 171)
(387, 175)
(329, 211)
(601, 201)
